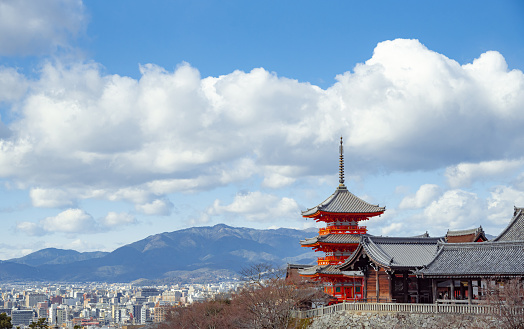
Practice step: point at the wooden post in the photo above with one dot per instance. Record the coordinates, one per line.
(405, 286)
(418, 290)
(470, 291)
(434, 289)
(377, 284)
(365, 288)
(391, 285)
(452, 286)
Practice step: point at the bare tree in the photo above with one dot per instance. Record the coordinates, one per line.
(261, 274)
(267, 302)
(507, 301)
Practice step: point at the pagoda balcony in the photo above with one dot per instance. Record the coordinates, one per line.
(342, 229)
(331, 260)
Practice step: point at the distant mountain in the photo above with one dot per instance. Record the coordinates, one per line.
(198, 253)
(56, 256)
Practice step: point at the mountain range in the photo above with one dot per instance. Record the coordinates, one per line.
(198, 254)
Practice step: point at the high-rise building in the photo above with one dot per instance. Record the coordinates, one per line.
(21, 317)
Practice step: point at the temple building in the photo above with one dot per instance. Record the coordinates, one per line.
(388, 265)
(358, 266)
(473, 235)
(342, 212)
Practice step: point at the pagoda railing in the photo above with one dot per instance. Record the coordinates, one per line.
(402, 308)
(331, 260)
(342, 229)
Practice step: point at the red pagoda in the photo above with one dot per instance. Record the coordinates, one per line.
(342, 212)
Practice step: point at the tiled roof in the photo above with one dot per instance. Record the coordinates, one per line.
(321, 269)
(471, 235)
(515, 229)
(343, 201)
(464, 232)
(395, 252)
(332, 238)
(477, 259)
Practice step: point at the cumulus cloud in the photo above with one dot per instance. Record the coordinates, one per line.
(50, 198)
(114, 219)
(75, 221)
(118, 138)
(69, 221)
(29, 27)
(501, 201)
(464, 174)
(455, 209)
(157, 207)
(256, 206)
(424, 196)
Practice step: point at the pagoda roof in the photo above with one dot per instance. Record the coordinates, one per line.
(475, 260)
(515, 229)
(395, 252)
(343, 201)
(327, 270)
(340, 238)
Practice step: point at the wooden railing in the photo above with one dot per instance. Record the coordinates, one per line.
(331, 260)
(351, 229)
(402, 308)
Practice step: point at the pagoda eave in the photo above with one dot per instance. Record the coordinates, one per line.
(319, 215)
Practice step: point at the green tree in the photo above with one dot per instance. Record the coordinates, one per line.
(40, 324)
(5, 321)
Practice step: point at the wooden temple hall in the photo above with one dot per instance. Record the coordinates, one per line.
(357, 266)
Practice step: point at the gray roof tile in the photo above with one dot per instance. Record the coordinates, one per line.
(343, 201)
(515, 229)
(396, 252)
(477, 259)
(332, 238)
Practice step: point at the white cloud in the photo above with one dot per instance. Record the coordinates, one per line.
(424, 196)
(50, 198)
(32, 229)
(256, 206)
(118, 138)
(501, 202)
(69, 221)
(157, 207)
(455, 209)
(13, 84)
(464, 174)
(114, 219)
(30, 27)
(75, 221)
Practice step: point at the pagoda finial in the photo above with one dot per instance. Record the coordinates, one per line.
(341, 164)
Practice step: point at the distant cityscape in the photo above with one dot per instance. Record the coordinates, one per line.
(101, 305)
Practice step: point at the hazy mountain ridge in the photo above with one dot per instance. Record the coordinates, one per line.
(179, 255)
(56, 256)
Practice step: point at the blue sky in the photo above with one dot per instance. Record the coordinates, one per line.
(123, 119)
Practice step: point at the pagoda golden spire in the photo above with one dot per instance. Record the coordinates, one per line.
(341, 164)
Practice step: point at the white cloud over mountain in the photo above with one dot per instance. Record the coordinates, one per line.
(256, 206)
(75, 221)
(79, 133)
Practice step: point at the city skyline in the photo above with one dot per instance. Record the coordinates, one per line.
(119, 120)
